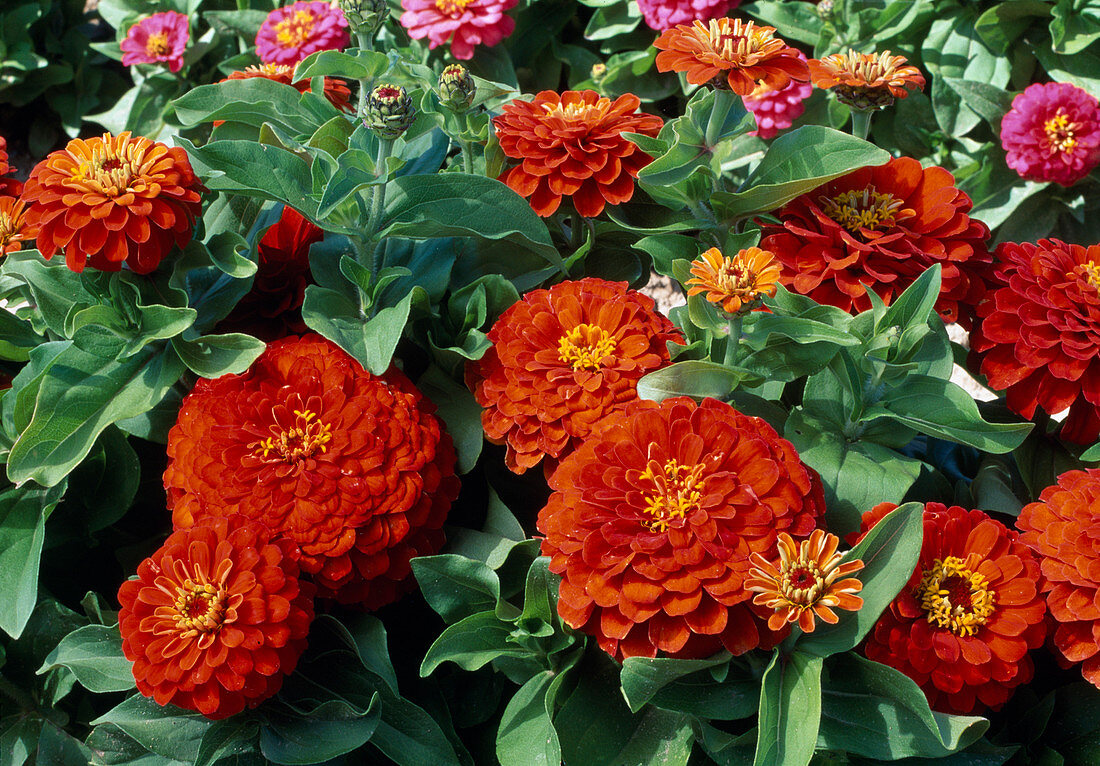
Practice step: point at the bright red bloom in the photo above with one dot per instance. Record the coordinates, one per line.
(336, 90)
(351, 467)
(964, 623)
(562, 360)
(1052, 133)
(8, 185)
(1038, 332)
(272, 308)
(882, 227)
(216, 617)
(113, 199)
(1063, 529)
(572, 146)
(653, 520)
(14, 231)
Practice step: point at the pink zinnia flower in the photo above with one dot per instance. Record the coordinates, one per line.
(465, 23)
(1052, 133)
(290, 34)
(160, 38)
(665, 14)
(776, 110)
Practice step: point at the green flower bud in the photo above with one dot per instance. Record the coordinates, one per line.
(365, 15)
(389, 111)
(824, 8)
(457, 88)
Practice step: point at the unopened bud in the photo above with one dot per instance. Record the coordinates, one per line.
(389, 111)
(457, 88)
(599, 71)
(365, 15)
(825, 8)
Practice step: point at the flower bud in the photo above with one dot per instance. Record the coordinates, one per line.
(824, 8)
(365, 15)
(389, 111)
(457, 88)
(599, 71)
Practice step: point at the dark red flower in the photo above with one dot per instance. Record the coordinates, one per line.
(8, 185)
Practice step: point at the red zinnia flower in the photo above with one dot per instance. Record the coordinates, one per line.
(272, 308)
(562, 360)
(14, 230)
(1038, 332)
(216, 618)
(336, 90)
(962, 626)
(8, 185)
(1052, 133)
(653, 520)
(572, 146)
(1063, 529)
(113, 199)
(881, 227)
(353, 468)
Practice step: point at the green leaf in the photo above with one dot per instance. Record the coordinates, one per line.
(212, 356)
(889, 553)
(328, 731)
(456, 587)
(916, 304)
(990, 102)
(647, 680)
(360, 65)
(162, 729)
(1075, 25)
(253, 101)
(526, 736)
(952, 48)
(23, 512)
(471, 643)
(694, 378)
(371, 342)
(1000, 25)
(790, 711)
(227, 739)
(461, 413)
(94, 654)
(17, 338)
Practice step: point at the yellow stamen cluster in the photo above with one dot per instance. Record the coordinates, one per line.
(675, 490)
(736, 282)
(1061, 133)
(578, 111)
(955, 596)
(295, 30)
(157, 44)
(864, 209)
(200, 606)
(307, 437)
(585, 347)
(111, 166)
(1091, 269)
(451, 7)
(735, 40)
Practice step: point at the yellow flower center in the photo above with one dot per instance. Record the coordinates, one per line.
(157, 44)
(112, 167)
(736, 41)
(295, 30)
(199, 606)
(674, 490)
(955, 596)
(864, 209)
(307, 437)
(1091, 269)
(578, 112)
(1060, 132)
(735, 278)
(451, 7)
(585, 347)
(801, 582)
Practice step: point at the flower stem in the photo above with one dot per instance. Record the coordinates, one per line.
(733, 339)
(366, 42)
(861, 123)
(378, 199)
(467, 157)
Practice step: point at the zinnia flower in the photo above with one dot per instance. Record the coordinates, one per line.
(805, 582)
(1052, 133)
(746, 55)
(736, 283)
(562, 360)
(964, 623)
(1038, 332)
(880, 228)
(8, 185)
(113, 199)
(572, 145)
(291, 33)
(654, 518)
(1063, 528)
(272, 308)
(336, 90)
(216, 617)
(665, 14)
(161, 38)
(352, 468)
(465, 23)
(866, 80)
(776, 110)
(14, 230)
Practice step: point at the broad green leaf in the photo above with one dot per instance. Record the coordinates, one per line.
(253, 101)
(990, 102)
(328, 731)
(94, 654)
(916, 304)
(1000, 25)
(790, 710)
(360, 65)
(661, 681)
(695, 378)
(212, 356)
(526, 736)
(953, 49)
(461, 413)
(471, 643)
(53, 288)
(23, 512)
(456, 587)
(227, 739)
(17, 338)
(162, 729)
(371, 341)
(1075, 25)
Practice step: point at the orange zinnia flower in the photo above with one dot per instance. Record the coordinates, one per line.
(562, 360)
(113, 199)
(336, 90)
(351, 467)
(963, 625)
(1063, 529)
(805, 581)
(14, 230)
(216, 618)
(572, 146)
(748, 55)
(866, 80)
(8, 185)
(653, 519)
(736, 283)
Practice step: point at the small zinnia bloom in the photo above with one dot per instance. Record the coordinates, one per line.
(291, 33)
(14, 230)
(571, 145)
(738, 282)
(115, 199)
(353, 468)
(336, 90)
(465, 23)
(216, 617)
(1052, 133)
(776, 110)
(1063, 528)
(1038, 332)
(805, 581)
(161, 38)
(880, 228)
(964, 623)
(730, 52)
(665, 14)
(8, 185)
(562, 360)
(866, 80)
(653, 520)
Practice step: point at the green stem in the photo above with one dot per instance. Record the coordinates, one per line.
(366, 42)
(861, 123)
(378, 200)
(733, 339)
(576, 227)
(467, 157)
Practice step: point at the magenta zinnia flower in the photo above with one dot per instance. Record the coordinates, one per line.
(290, 34)
(465, 23)
(160, 38)
(665, 14)
(776, 110)
(1052, 133)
